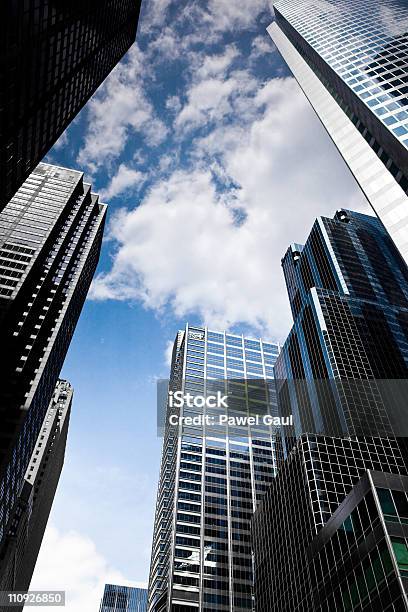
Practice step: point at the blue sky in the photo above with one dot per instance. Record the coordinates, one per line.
(212, 162)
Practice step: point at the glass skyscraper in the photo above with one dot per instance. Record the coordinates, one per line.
(356, 560)
(50, 238)
(342, 373)
(350, 58)
(53, 56)
(123, 599)
(212, 477)
(348, 289)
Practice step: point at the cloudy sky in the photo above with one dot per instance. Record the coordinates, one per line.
(212, 163)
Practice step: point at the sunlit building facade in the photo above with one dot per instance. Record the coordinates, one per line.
(350, 59)
(212, 477)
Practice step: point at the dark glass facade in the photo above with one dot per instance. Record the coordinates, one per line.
(342, 374)
(53, 56)
(123, 599)
(356, 559)
(212, 478)
(25, 534)
(348, 290)
(50, 237)
(360, 557)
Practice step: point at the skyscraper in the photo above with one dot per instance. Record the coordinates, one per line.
(24, 537)
(123, 599)
(357, 559)
(340, 373)
(212, 475)
(348, 289)
(350, 58)
(50, 237)
(54, 54)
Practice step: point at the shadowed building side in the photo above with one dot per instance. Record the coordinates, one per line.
(37, 494)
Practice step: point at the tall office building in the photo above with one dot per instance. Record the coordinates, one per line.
(53, 56)
(340, 373)
(50, 237)
(212, 474)
(350, 59)
(24, 537)
(357, 560)
(348, 290)
(123, 599)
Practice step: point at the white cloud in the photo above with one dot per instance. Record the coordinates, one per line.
(212, 16)
(168, 161)
(207, 100)
(182, 246)
(124, 180)
(208, 89)
(226, 15)
(216, 90)
(173, 103)
(194, 24)
(212, 99)
(139, 158)
(70, 562)
(155, 14)
(118, 109)
(261, 45)
(167, 46)
(217, 64)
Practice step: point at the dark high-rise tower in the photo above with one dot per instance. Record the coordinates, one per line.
(53, 56)
(348, 289)
(357, 560)
(350, 58)
(341, 373)
(212, 476)
(24, 537)
(50, 237)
